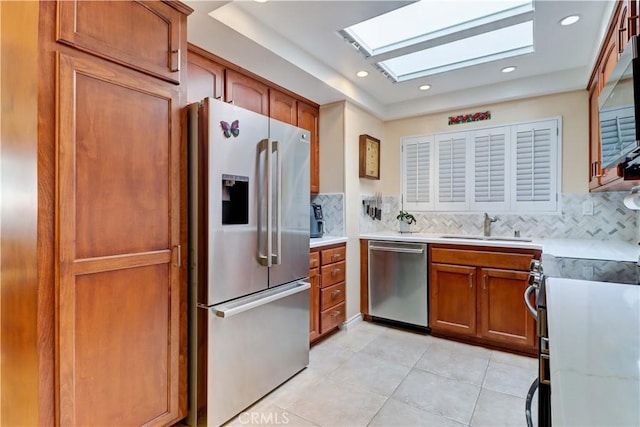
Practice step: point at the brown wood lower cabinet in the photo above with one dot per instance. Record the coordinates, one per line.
(453, 298)
(327, 303)
(476, 294)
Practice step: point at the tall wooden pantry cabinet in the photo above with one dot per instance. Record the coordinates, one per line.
(93, 284)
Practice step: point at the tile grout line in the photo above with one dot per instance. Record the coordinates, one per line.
(475, 405)
(399, 383)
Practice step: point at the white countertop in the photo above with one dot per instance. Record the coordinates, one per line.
(594, 341)
(317, 242)
(618, 250)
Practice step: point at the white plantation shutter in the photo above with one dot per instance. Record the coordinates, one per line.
(490, 154)
(617, 133)
(417, 171)
(511, 168)
(535, 166)
(451, 171)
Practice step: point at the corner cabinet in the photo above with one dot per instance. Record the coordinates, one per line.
(328, 294)
(112, 283)
(476, 294)
(211, 76)
(624, 24)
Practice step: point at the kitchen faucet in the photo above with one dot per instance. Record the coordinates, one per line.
(487, 224)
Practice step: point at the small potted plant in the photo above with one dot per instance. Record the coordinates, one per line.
(405, 220)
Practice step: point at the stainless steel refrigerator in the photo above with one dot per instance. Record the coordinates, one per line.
(249, 262)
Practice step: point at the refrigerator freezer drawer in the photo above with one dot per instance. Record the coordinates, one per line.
(255, 344)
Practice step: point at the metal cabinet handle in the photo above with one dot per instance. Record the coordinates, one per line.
(175, 65)
(335, 293)
(335, 271)
(336, 313)
(471, 280)
(335, 256)
(484, 282)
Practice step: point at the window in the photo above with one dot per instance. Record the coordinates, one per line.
(418, 169)
(512, 168)
(424, 38)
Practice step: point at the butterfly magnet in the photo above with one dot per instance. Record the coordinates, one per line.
(228, 130)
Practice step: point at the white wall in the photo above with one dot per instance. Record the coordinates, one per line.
(572, 106)
(341, 125)
(332, 148)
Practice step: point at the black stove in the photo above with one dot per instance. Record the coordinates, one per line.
(626, 272)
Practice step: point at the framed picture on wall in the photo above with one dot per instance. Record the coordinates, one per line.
(369, 157)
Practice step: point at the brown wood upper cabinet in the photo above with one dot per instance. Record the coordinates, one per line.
(144, 35)
(623, 25)
(206, 79)
(309, 119)
(283, 107)
(246, 92)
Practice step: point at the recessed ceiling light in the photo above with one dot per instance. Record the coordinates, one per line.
(425, 87)
(508, 69)
(261, 1)
(569, 20)
(362, 73)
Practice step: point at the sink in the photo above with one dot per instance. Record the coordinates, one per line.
(486, 238)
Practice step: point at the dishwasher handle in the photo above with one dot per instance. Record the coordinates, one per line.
(397, 249)
(225, 312)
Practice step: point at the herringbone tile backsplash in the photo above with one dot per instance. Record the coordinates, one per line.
(611, 220)
(332, 211)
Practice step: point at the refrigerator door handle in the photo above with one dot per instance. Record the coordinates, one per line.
(265, 258)
(275, 257)
(235, 308)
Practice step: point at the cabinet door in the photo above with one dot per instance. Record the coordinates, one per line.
(503, 314)
(594, 135)
(623, 32)
(245, 92)
(314, 304)
(145, 36)
(121, 329)
(452, 296)
(308, 118)
(283, 107)
(205, 78)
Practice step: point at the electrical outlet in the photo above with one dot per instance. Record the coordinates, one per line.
(587, 207)
(386, 208)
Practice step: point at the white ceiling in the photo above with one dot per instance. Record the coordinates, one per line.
(295, 44)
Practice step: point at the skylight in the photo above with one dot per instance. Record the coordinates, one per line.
(489, 46)
(431, 36)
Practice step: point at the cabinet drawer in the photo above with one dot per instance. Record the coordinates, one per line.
(333, 273)
(333, 255)
(314, 259)
(510, 261)
(331, 296)
(332, 317)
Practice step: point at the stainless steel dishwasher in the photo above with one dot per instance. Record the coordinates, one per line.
(398, 282)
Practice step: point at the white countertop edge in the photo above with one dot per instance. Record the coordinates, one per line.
(326, 241)
(616, 250)
(437, 238)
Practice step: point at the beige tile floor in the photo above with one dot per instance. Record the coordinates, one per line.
(373, 375)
